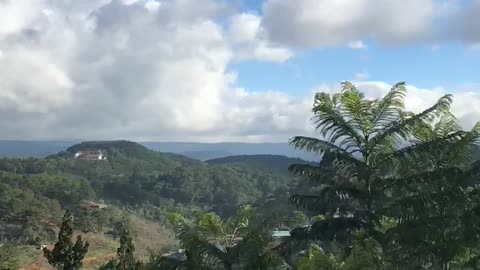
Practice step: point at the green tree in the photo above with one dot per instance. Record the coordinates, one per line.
(366, 254)
(8, 257)
(211, 242)
(67, 255)
(125, 255)
(381, 163)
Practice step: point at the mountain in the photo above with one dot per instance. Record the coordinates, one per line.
(128, 149)
(200, 151)
(268, 163)
(206, 155)
(135, 184)
(132, 174)
(229, 149)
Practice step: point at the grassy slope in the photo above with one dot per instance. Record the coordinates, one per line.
(149, 236)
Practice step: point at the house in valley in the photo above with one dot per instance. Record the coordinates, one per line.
(92, 205)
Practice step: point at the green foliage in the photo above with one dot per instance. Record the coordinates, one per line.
(211, 242)
(296, 219)
(67, 255)
(8, 257)
(366, 254)
(316, 259)
(381, 163)
(150, 183)
(125, 255)
(268, 163)
(25, 217)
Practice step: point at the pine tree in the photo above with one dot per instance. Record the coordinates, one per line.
(67, 255)
(125, 258)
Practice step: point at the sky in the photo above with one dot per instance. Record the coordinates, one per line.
(223, 70)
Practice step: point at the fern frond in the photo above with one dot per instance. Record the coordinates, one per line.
(332, 124)
(422, 151)
(308, 170)
(401, 129)
(321, 147)
(389, 108)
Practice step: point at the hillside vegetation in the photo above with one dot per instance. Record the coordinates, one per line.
(132, 181)
(395, 190)
(268, 163)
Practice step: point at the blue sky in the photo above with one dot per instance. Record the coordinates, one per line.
(448, 63)
(420, 65)
(190, 70)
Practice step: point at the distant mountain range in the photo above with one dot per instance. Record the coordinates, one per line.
(200, 151)
(275, 164)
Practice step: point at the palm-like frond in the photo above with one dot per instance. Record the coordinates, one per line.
(445, 147)
(402, 128)
(423, 151)
(416, 170)
(316, 258)
(319, 146)
(332, 124)
(355, 108)
(389, 108)
(461, 151)
(308, 170)
(330, 229)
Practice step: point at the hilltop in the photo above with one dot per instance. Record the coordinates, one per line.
(200, 151)
(132, 181)
(124, 149)
(134, 175)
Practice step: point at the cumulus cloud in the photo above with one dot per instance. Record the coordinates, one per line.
(134, 69)
(357, 45)
(361, 76)
(17, 15)
(248, 35)
(154, 70)
(463, 24)
(312, 23)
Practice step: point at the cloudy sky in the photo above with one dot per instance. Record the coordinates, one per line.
(213, 70)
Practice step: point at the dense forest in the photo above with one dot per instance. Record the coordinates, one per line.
(393, 190)
(34, 192)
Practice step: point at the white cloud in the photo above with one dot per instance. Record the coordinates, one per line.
(357, 45)
(248, 36)
(463, 24)
(313, 23)
(16, 15)
(361, 76)
(329, 23)
(101, 69)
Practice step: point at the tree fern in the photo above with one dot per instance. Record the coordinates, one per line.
(382, 162)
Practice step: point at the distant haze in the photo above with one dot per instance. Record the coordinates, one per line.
(200, 151)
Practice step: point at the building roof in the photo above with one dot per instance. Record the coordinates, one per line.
(281, 233)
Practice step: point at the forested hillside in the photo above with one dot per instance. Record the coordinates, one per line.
(35, 192)
(199, 151)
(268, 163)
(404, 187)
